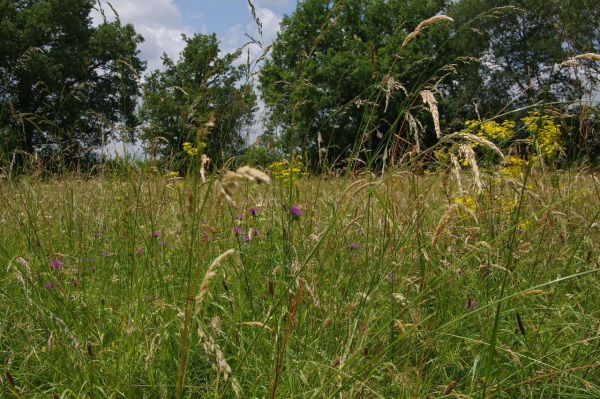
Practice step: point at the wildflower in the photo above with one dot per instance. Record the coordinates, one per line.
(388, 277)
(354, 246)
(37, 243)
(63, 216)
(172, 174)
(107, 252)
(247, 237)
(238, 230)
(295, 211)
(74, 282)
(239, 217)
(96, 235)
(139, 250)
(49, 285)
(253, 211)
(471, 304)
(154, 235)
(55, 264)
(254, 232)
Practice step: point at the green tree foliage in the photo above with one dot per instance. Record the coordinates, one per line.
(519, 44)
(65, 85)
(338, 69)
(188, 92)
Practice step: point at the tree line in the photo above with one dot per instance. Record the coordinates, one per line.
(374, 79)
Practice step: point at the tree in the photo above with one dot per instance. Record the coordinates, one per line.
(342, 70)
(66, 85)
(520, 44)
(201, 85)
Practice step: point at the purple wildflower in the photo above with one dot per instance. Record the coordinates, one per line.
(93, 268)
(107, 252)
(388, 277)
(239, 217)
(253, 211)
(49, 285)
(238, 230)
(37, 243)
(63, 216)
(354, 246)
(295, 211)
(55, 264)
(155, 234)
(139, 250)
(74, 282)
(471, 304)
(254, 232)
(247, 237)
(96, 235)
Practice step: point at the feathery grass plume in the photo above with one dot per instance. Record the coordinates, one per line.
(468, 153)
(203, 161)
(210, 273)
(412, 123)
(231, 180)
(456, 170)
(424, 25)
(588, 57)
(429, 99)
(442, 223)
(482, 141)
(216, 358)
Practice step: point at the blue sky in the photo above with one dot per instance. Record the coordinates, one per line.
(162, 22)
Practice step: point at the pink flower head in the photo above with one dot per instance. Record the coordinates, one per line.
(295, 211)
(56, 264)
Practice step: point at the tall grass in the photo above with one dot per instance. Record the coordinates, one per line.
(363, 294)
(411, 282)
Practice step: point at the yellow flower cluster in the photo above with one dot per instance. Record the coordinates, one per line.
(285, 171)
(469, 203)
(548, 135)
(172, 174)
(191, 150)
(491, 130)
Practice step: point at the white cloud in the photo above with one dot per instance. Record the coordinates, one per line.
(158, 21)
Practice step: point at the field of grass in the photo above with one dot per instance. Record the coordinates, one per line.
(401, 286)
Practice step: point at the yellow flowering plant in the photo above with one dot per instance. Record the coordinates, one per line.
(284, 170)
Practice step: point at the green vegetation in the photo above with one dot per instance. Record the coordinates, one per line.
(423, 220)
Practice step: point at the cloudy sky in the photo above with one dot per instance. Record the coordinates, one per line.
(162, 22)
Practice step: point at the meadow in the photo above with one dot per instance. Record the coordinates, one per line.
(407, 284)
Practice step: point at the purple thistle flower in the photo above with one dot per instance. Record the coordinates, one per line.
(139, 250)
(471, 304)
(55, 264)
(254, 232)
(239, 217)
(74, 282)
(253, 211)
(37, 243)
(107, 252)
(93, 268)
(388, 277)
(63, 216)
(296, 211)
(238, 230)
(155, 234)
(247, 237)
(49, 285)
(96, 235)
(354, 246)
